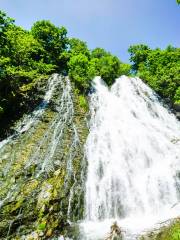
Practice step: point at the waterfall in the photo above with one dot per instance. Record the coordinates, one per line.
(11, 149)
(133, 159)
(45, 143)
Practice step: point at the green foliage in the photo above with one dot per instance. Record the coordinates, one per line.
(78, 47)
(106, 65)
(177, 96)
(53, 40)
(168, 232)
(138, 55)
(21, 46)
(5, 22)
(176, 234)
(84, 65)
(42, 226)
(78, 63)
(99, 53)
(109, 68)
(83, 102)
(125, 69)
(178, 1)
(78, 66)
(159, 68)
(21, 63)
(28, 56)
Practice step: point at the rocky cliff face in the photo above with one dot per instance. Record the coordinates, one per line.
(177, 110)
(42, 167)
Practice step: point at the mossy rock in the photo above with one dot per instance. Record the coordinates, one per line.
(38, 200)
(168, 232)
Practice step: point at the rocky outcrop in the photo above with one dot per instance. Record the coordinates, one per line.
(116, 233)
(42, 167)
(177, 110)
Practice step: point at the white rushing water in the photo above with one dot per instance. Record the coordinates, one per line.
(133, 160)
(54, 135)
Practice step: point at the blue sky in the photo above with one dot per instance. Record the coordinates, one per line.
(111, 24)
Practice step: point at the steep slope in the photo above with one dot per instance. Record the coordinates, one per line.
(41, 166)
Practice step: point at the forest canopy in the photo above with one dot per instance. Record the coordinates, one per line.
(28, 57)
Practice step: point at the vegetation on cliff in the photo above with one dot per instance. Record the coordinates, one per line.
(27, 57)
(168, 232)
(159, 68)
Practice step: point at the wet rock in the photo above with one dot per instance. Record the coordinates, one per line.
(49, 233)
(116, 233)
(42, 194)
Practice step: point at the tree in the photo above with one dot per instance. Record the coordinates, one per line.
(78, 71)
(53, 40)
(159, 68)
(78, 62)
(99, 53)
(124, 69)
(25, 57)
(5, 22)
(109, 68)
(105, 65)
(78, 47)
(28, 56)
(21, 65)
(138, 55)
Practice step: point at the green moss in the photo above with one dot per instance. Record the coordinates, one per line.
(170, 232)
(83, 102)
(42, 226)
(29, 187)
(43, 201)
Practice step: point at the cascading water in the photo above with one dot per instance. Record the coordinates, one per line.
(45, 145)
(133, 160)
(54, 135)
(9, 153)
